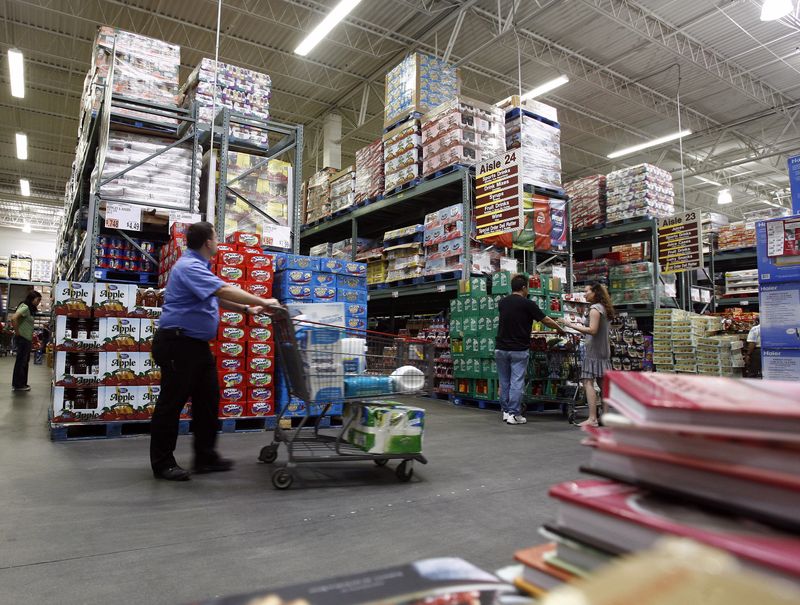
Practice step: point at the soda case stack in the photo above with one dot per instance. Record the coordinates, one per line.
(403, 249)
(164, 181)
(682, 339)
(593, 270)
(631, 284)
(103, 367)
(144, 68)
(632, 253)
(473, 326)
(343, 188)
(243, 90)
(438, 332)
(643, 190)
(318, 195)
(416, 85)
(328, 291)
(736, 235)
(266, 186)
(402, 155)
(588, 198)
(539, 140)
(369, 172)
(170, 252)
(444, 240)
(119, 254)
(461, 131)
(245, 344)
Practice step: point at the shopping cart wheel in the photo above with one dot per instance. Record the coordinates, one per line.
(571, 418)
(269, 454)
(282, 479)
(381, 461)
(405, 471)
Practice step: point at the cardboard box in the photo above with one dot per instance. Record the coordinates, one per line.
(355, 310)
(64, 373)
(232, 333)
(263, 320)
(232, 394)
(354, 269)
(257, 348)
(331, 265)
(260, 408)
(262, 290)
(231, 364)
(231, 349)
(260, 334)
(114, 300)
(331, 314)
(148, 397)
(323, 294)
(323, 279)
(231, 259)
(74, 299)
(351, 282)
(259, 379)
(779, 305)
(75, 405)
(260, 364)
(231, 274)
(351, 296)
(119, 368)
(264, 262)
(243, 238)
(120, 333)
(290, 262)
(355, 323)
(786, 266)
(120, 403)
(265, 394)
(231, 379)
(149, 370)
(260, 276)
(147, 332)
(232, 409)
(224, 247)
(294, 277)
(294, 292)
(232, 318)
(66, 339)
(250, 250)
(781, 364)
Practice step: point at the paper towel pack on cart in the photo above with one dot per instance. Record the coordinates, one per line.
(385, 428)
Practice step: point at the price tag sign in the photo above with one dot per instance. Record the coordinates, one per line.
(395, 294)
(123, 216)
(180, 216)
(440, 288)
(276, 236)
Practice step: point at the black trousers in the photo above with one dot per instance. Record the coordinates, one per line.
(20, 377)
(188, 370)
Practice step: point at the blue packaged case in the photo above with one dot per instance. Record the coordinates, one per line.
(294, 277)
(294, 293)
(355, 310)
(324, 294)
(330, 265)
(303, 263)
(351, 282)
(323, 279)
(351, 296)
(354, 269)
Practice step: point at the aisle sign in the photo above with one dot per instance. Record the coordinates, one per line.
(794, 182)
(680, 243)
(181, 216)
(123, 216)
(498, 196)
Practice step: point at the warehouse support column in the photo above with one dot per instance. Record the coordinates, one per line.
(332, 141)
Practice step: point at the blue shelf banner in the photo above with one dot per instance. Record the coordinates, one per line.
(794, 182)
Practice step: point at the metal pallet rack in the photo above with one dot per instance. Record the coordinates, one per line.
(289, 140)
(731, 260)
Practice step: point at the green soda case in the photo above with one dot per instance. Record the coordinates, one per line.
(477, 287)
(501, 282)
(392, 428)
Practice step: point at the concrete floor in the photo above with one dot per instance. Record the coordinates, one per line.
(85, 522)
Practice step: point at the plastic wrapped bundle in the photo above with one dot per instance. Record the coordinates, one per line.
(540, 144)
(343, 186)
(145, 69)
(318, 195)
(642, 190)
(416, 85)
(369, 172)
(242, 90)
(402, 154)
(737, 235)
(163, 181)
(588, 197)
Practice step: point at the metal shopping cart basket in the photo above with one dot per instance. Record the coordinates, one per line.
(325, 365)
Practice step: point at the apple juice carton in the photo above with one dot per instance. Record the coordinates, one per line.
(114, 300)
(74, 299)
(120, 333)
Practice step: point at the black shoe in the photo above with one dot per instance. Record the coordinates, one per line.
(173, 473)
(220, 465)
(20, 389)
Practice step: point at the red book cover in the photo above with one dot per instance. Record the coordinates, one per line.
(743, 539)
(740, 403)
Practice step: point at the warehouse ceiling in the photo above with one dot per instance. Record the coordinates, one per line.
(634, 68)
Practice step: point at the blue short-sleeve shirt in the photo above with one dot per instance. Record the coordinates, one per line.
(189, 301)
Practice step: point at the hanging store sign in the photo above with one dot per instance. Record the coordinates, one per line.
(680, 243)
(794, 182)
(181, 216)
(498, 196)
(123, 216)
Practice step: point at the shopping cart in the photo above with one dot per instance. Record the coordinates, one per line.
(6, 343)
(325, 365)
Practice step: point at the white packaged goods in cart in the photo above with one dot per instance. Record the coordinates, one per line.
(386, 427)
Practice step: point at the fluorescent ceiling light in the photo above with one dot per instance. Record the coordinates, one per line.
(16, 71)
(653, 143)
(22, 146)
(775, 9)
(709, 181)
(25, 187)
(339, 12)
(724, 197)
(26, 227)
(544, 88)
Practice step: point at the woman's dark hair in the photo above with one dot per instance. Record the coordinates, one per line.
(198, 234)
(31, 296)
(601, 296)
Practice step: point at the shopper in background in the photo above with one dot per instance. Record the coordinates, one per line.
(597, 350)
(753, 352)
(22, 320)
(189, 320)
(513, 344)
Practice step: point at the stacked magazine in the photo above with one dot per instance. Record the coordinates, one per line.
(715, 460)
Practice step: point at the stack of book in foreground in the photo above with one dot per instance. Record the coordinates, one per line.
(714, 460)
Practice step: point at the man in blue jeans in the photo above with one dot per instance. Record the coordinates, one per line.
(513, 344)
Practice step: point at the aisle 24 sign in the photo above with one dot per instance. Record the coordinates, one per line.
(498, 196)
(680, 242)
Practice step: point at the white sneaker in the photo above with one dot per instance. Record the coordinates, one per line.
(506, 416)
(517, 420)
